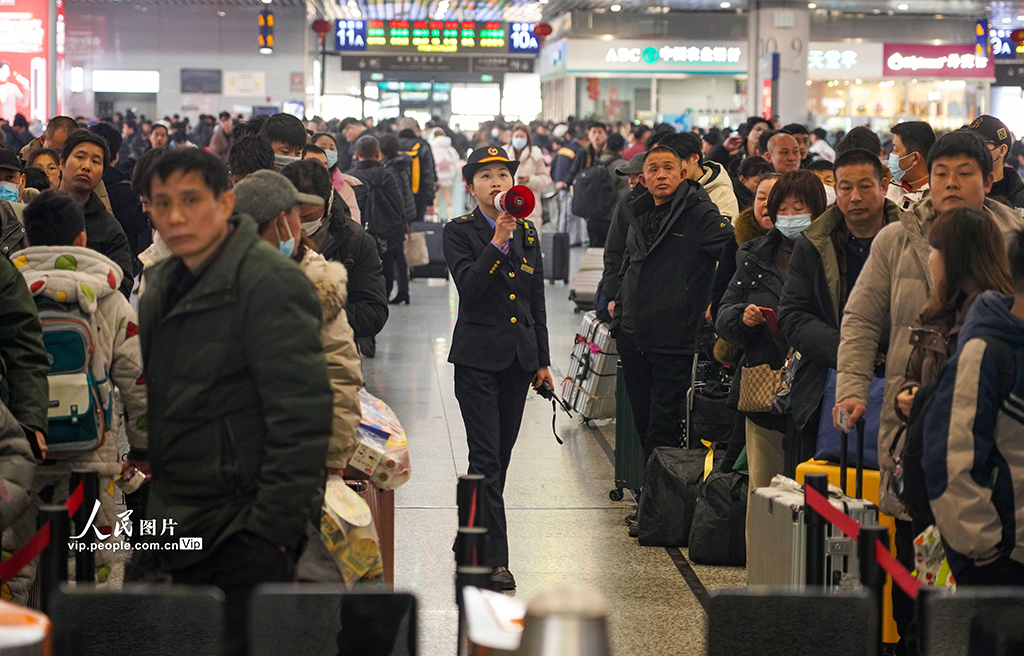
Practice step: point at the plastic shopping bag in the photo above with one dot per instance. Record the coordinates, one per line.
(383, 451)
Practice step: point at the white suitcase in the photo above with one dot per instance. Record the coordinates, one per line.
(588, 277)
(589, 385)
(777, 539)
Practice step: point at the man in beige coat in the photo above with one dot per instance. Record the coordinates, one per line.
(892, 290)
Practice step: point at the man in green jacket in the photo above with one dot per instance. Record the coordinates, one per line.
(241, 405)
(24, 388)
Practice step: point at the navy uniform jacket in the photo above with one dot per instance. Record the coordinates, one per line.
(501, 297)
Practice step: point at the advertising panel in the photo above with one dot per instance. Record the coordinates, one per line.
(650, 56)
(24, 57)
(953, 61)
(841, 60)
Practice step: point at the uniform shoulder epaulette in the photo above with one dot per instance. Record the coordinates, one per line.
(567, 152)
(463, 218)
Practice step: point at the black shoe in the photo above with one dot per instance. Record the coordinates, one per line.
(634, 530)
(398, 300)
(503, 579)
(631, 519)
(367, 346)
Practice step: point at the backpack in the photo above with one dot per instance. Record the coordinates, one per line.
(81, 396)
(379, 217)
(593, 193)
(414, 153)
(908, 482)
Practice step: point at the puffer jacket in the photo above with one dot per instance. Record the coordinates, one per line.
(974, 437)
(718, 184)
(330, 280)
(893, 287)
(69, 274)
(533, 169)
(757, 281)
(446, 160)
(745, 229)
(17, 468)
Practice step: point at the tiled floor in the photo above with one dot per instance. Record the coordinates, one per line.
(562, 526)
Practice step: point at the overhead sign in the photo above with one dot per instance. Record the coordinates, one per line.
(643, 56)
(429, 36)
(828, 60)
(954, 61)
(1003, 45)
(424, 63)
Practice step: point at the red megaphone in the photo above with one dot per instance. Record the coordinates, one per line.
(517, 201)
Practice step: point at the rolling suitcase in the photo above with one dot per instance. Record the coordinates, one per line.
(778, 537)
(437, 268)
(588, 277)
(629, 452)
(589, 385)
(382, 509)
(554, 252)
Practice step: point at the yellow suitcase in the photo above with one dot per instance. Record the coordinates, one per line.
(871, 479)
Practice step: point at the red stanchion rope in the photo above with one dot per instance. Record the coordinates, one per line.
(851, 528)
(22, 557)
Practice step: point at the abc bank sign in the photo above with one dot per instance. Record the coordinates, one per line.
(626, 56)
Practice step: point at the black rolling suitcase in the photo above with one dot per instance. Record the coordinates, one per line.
(437, 268)
(629, 453)
(554, 250)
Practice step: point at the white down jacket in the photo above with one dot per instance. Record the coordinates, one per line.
(69, 274)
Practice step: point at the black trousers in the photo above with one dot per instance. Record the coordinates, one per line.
(492, 408)
(597, 232)
(902, 605)
(657, 384)
(388, 261)
(237, 567)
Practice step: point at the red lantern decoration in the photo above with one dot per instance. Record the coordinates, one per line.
(321, 27)
(542, 30)
(1017, 36)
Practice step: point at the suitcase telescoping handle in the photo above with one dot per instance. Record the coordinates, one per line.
(843, 446)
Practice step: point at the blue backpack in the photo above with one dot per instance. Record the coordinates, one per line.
(81, 397)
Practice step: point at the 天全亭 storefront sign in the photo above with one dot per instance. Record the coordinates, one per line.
(840, 60)
(953, 61)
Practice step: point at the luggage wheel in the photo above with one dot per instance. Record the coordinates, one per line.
(616, 494)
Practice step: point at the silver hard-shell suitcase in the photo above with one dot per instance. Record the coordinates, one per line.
(589, 385)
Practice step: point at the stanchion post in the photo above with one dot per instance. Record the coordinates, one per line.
(471, 546)
(85, 559)
(816, 525)
(921, 614)
(478, 577)
(872, 576)
(472, 499)
(53, 562)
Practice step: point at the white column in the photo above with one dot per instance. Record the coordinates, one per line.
(654, 100)
(785, 28)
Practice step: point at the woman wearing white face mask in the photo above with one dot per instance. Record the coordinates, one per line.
(342, 183)
(746, 316)
(532, 171)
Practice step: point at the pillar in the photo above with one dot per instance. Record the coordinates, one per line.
(776, 26)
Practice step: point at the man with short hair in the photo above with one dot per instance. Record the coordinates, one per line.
(248, 155)
(424, 171)
(893, 287)
(973, 438)
(820, 147)
(1008, 188)
(57, 131)
(124, 203)
(860, 137)
(231, 343)
(615, 244)
(132, 145)
(783, 152)
(351, 129)
(83, 159)
(675, 237)
(562, 165)
(826, 262)
(803, 140)
(908, 163)
(220, 143)
(286, 136)
(159, 136)
(711, 175)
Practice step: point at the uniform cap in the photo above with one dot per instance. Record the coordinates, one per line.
(481, 157)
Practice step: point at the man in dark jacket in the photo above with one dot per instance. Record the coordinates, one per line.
(615, 245)
(424, 175)
(380, 202)
(826, 261)
(124, 203)
(231, 341)
(675, 237)
(1008, 188)
(83, 159)
(338, 238)
(401, 164)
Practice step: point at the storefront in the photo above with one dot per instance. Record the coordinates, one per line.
(466, 72)
(689, 83)
(878, 84)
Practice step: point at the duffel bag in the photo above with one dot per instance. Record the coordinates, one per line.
(718, 531)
